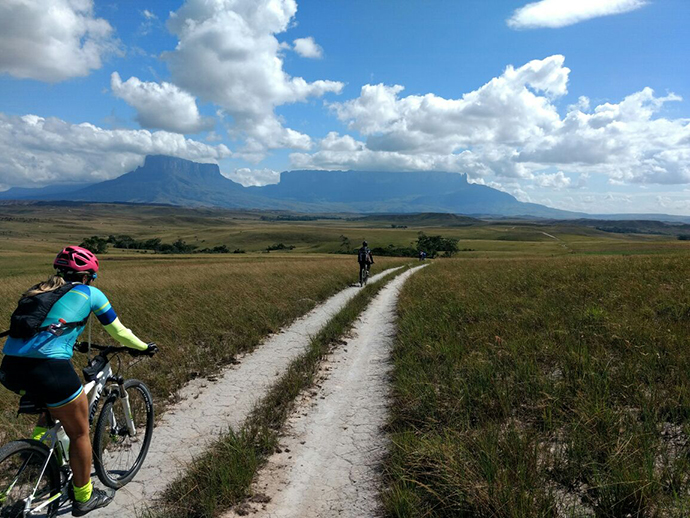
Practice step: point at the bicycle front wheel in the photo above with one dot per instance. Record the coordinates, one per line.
(119, 454)
(21, 464)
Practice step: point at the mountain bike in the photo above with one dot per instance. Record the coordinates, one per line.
(35, 477)
(363, 276)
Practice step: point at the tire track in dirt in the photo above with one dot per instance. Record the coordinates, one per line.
(209, 408)
(333, 445)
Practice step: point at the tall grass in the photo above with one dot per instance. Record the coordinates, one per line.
(528, 388)
(202, 311)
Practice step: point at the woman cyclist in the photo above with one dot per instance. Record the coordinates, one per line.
(40, 366)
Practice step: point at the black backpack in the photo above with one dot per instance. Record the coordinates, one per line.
(362, 257)
(26, 320)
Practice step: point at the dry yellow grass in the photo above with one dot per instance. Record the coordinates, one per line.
(201, 310)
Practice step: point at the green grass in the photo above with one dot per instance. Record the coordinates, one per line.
(221, 478)
(43, 227)
(202, 311)
(543, 387)
(534, 376)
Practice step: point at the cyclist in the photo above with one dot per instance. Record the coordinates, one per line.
(365, 259)
(40, 365)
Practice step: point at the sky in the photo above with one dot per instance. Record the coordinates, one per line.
(579, 105)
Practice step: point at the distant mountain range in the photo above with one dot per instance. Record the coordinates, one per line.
(175, 181)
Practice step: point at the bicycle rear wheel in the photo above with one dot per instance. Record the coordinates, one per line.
(363, 277)
(118, 455)
(21, 463)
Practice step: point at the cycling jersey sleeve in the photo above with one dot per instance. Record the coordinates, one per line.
(124, 335)
(106, 315)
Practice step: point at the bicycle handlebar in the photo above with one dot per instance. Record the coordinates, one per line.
(105, 350)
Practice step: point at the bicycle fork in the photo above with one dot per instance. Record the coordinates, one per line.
(126, 409)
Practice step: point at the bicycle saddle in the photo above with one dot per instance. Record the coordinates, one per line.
(29, 406)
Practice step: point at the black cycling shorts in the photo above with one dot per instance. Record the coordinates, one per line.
(44, 380)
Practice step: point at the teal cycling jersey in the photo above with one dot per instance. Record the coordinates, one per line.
(73, 306)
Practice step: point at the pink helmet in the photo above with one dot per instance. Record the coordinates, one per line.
(77, 259)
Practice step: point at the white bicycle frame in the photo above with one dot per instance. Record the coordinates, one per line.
(94, 390)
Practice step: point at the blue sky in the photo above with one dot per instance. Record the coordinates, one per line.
(578, 105)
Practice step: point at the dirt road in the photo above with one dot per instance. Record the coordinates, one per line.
(208, 408)
(328, 466)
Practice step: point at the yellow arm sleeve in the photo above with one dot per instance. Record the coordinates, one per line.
(124, 335)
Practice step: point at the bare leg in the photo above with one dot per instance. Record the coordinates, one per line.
(75, 419)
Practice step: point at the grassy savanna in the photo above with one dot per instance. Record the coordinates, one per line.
(539, 373)
(39, 227)
(543, 388)
(201, 310)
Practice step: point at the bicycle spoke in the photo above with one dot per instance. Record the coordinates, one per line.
(26, 484)
(119, 453)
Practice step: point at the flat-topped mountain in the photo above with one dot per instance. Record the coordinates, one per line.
(164, 179)
(175, 181)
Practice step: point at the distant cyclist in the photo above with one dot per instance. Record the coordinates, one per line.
(365, 259)
(49, 318)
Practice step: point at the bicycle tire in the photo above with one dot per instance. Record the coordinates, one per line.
(112, 446)
(21, 463)
(363, 275)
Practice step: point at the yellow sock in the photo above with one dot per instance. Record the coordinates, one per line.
(82, 494)
(38, 432)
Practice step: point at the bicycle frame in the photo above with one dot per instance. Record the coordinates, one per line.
(94, 390)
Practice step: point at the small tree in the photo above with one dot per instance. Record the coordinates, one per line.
(96, 244)
(432, 245)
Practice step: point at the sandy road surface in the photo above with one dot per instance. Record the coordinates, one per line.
(328, 466)
(208, 408)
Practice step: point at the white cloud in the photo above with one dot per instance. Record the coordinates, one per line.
(335, 142)
(507, 109)
(228, 54)
(162, 106)
(624, 141)
(308, 48)
(38, 151)
(52, 40)
(247, 176)
(511, 128)
(150, 21)
(552, 181)
(559, 13)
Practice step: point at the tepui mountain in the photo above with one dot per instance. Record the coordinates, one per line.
(175, 181)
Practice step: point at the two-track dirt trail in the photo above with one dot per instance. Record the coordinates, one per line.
(334, 444)
(208, 408)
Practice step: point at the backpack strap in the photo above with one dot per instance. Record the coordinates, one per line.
(4, 333)
(66, 324)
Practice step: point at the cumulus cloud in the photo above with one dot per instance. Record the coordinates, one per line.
(626, 141)
(52, 40)
(228, 54)
(507, 109)
(307, 48)
(37, 151)
(560, 13)
(553, 180)
(511, 128)
(162, 106)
